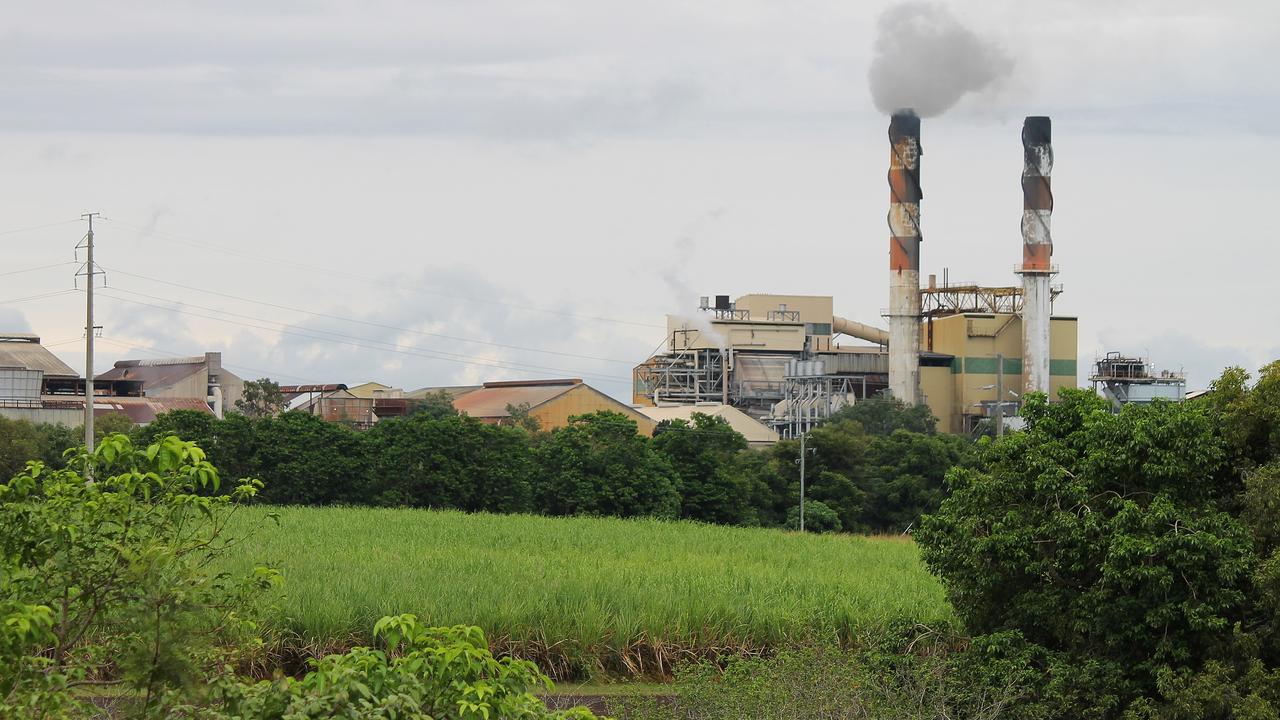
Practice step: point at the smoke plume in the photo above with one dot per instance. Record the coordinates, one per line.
(926, 60)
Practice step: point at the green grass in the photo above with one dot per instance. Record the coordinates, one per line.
(582, 596)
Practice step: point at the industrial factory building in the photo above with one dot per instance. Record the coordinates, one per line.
(968, 351)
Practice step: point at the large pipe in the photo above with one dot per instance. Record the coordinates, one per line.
(904, 256)
(860, 330)
(1037, 251)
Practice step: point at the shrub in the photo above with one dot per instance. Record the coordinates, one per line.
(425, 673)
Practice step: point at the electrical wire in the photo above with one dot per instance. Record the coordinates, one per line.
(380, 283)
(40, 227)
(368, 343)
(134, 347)
(355, 321)
(41, 267)
(39, 297)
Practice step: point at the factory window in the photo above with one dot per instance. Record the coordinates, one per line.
(817, 328)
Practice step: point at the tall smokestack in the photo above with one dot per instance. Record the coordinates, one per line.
(904, 256)
(1037, 251)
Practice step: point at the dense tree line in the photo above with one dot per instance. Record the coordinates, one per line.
(876, 466)
(1123, 566)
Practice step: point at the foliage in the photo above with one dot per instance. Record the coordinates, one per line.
(905, 476)
(110, 424)
(520, 417)
(20, 441)
(260, 398)
(1104, 549)
(107, 581)
(909, 672)
(300, 458)
(452, 462)
(435, 405)
(598, 465)
(427, 673)
(818, 518)
(582, 596)
(702, 455)
(1249, 417)
(884, 414)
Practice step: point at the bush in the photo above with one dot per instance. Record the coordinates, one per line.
(818, 518)
(107, 581)
(425, 673)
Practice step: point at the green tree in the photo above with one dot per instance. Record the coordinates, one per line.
(882, 414)
(702, 454)
(1099, 544)
(260, 398)
(435, 405)
(303, 460)
(599, 465)
(20, 441)
(835, 471)
(111, 582)
(451, 462)
(906, 474)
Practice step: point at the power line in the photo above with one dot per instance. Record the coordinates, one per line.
(39, 227)
(355, 321)
(134, 347)
(143, 232)
(55, 293)
(41, 267)
(376, 344)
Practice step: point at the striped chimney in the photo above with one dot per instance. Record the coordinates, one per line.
(1037, 251)
(904, 256)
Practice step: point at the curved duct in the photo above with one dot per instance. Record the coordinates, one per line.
(860, 330)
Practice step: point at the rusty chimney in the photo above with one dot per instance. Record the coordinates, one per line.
(1037, 251)
(904, 256)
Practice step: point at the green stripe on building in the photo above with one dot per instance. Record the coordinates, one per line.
(987, 365)
(1062, 367)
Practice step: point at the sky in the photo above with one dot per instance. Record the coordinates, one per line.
(450, 191)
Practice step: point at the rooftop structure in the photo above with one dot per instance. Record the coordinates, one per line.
(756, 433)
(200, 377)
(550, 402)
(1124, 380)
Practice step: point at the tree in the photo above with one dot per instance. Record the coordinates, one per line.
(111, 582)
(883, 414)
(435, 405)
(521, 417)
(303, 460)
(905, 476)
(20, 441)
(1101, 544)
(451, 462)
(702, 454)
(599, 465)
(261, 398)
(110, 424)
(835, 471)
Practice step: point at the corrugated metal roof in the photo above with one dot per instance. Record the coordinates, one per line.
(491, 401)
(314, 388)
(25, 351)
(138, 409)
(750, 428)
(155, 374)
(453, 391)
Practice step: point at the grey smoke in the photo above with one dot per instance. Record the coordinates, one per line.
(926, 60)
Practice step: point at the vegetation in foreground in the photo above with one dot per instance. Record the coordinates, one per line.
(581, 596)
(108, 581)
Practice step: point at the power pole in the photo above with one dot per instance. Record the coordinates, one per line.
(999, 395)
(804, 436)
(89, 330)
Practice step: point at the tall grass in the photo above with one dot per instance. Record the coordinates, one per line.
(583, 595)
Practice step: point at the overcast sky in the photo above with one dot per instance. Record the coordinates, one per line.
(513, 189)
